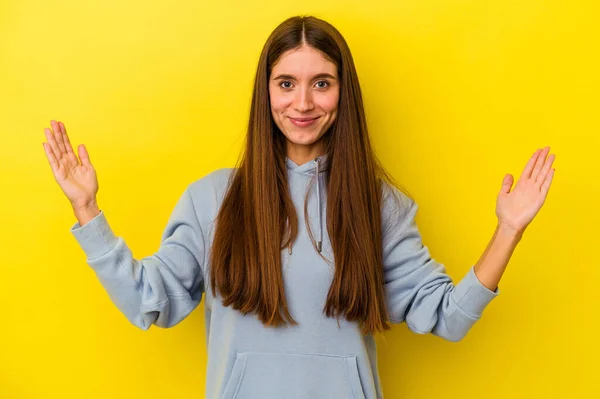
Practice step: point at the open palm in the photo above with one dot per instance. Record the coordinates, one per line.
(517, 208)
(77, 180)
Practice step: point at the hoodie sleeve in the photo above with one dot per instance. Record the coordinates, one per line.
(160, 289)
(418, 290)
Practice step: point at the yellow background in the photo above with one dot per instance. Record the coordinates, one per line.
(457, 93)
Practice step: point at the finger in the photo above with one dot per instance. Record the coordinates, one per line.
(539, 163)
(84, 156)
(529, 167)
(51, 159)
(544, 173)
(507, 183)
(58, 136)
(53, 146)
(67, 142)
(547, 182)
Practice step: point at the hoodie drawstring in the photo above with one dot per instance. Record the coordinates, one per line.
(320, 242)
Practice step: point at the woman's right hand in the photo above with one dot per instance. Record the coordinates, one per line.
(77, 180)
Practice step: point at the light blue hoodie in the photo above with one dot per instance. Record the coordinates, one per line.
(315, 359)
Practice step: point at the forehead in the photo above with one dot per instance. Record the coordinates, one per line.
(303, 62)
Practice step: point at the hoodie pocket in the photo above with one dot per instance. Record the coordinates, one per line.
(294, 376)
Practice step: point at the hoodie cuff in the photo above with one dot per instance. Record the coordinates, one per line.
(96, 237)
(471, 296)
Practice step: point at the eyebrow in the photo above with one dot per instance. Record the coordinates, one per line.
(319, 76)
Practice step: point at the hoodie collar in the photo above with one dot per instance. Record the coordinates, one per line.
(311, 168)
(307, 168)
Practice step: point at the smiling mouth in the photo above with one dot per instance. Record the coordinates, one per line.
(304, 121)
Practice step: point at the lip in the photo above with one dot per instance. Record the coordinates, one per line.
(303, 122)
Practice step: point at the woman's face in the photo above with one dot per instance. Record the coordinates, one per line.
(304, 90)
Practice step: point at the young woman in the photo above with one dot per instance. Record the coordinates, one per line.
(306, 249)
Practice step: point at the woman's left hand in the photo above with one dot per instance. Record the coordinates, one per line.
(517, 208)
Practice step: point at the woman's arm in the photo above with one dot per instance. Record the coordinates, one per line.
(515, 211)
(160, 289)
(418, 289)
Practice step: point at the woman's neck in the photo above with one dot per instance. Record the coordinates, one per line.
(300, 154)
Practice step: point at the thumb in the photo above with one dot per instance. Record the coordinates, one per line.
(84, 156)
(507, 183)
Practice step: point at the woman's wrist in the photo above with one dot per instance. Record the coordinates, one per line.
(86, 213)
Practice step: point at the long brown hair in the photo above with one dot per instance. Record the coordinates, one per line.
(257, 218)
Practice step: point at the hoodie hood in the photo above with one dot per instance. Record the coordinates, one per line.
(311, 168)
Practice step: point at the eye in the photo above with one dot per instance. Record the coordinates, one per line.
(284, 82)
(323, 81)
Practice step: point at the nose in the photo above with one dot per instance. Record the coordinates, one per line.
(303, 101)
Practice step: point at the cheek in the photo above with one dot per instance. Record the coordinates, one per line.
(329, 103)
(279, 102)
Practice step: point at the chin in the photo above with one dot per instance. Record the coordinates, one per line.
(303, 138)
